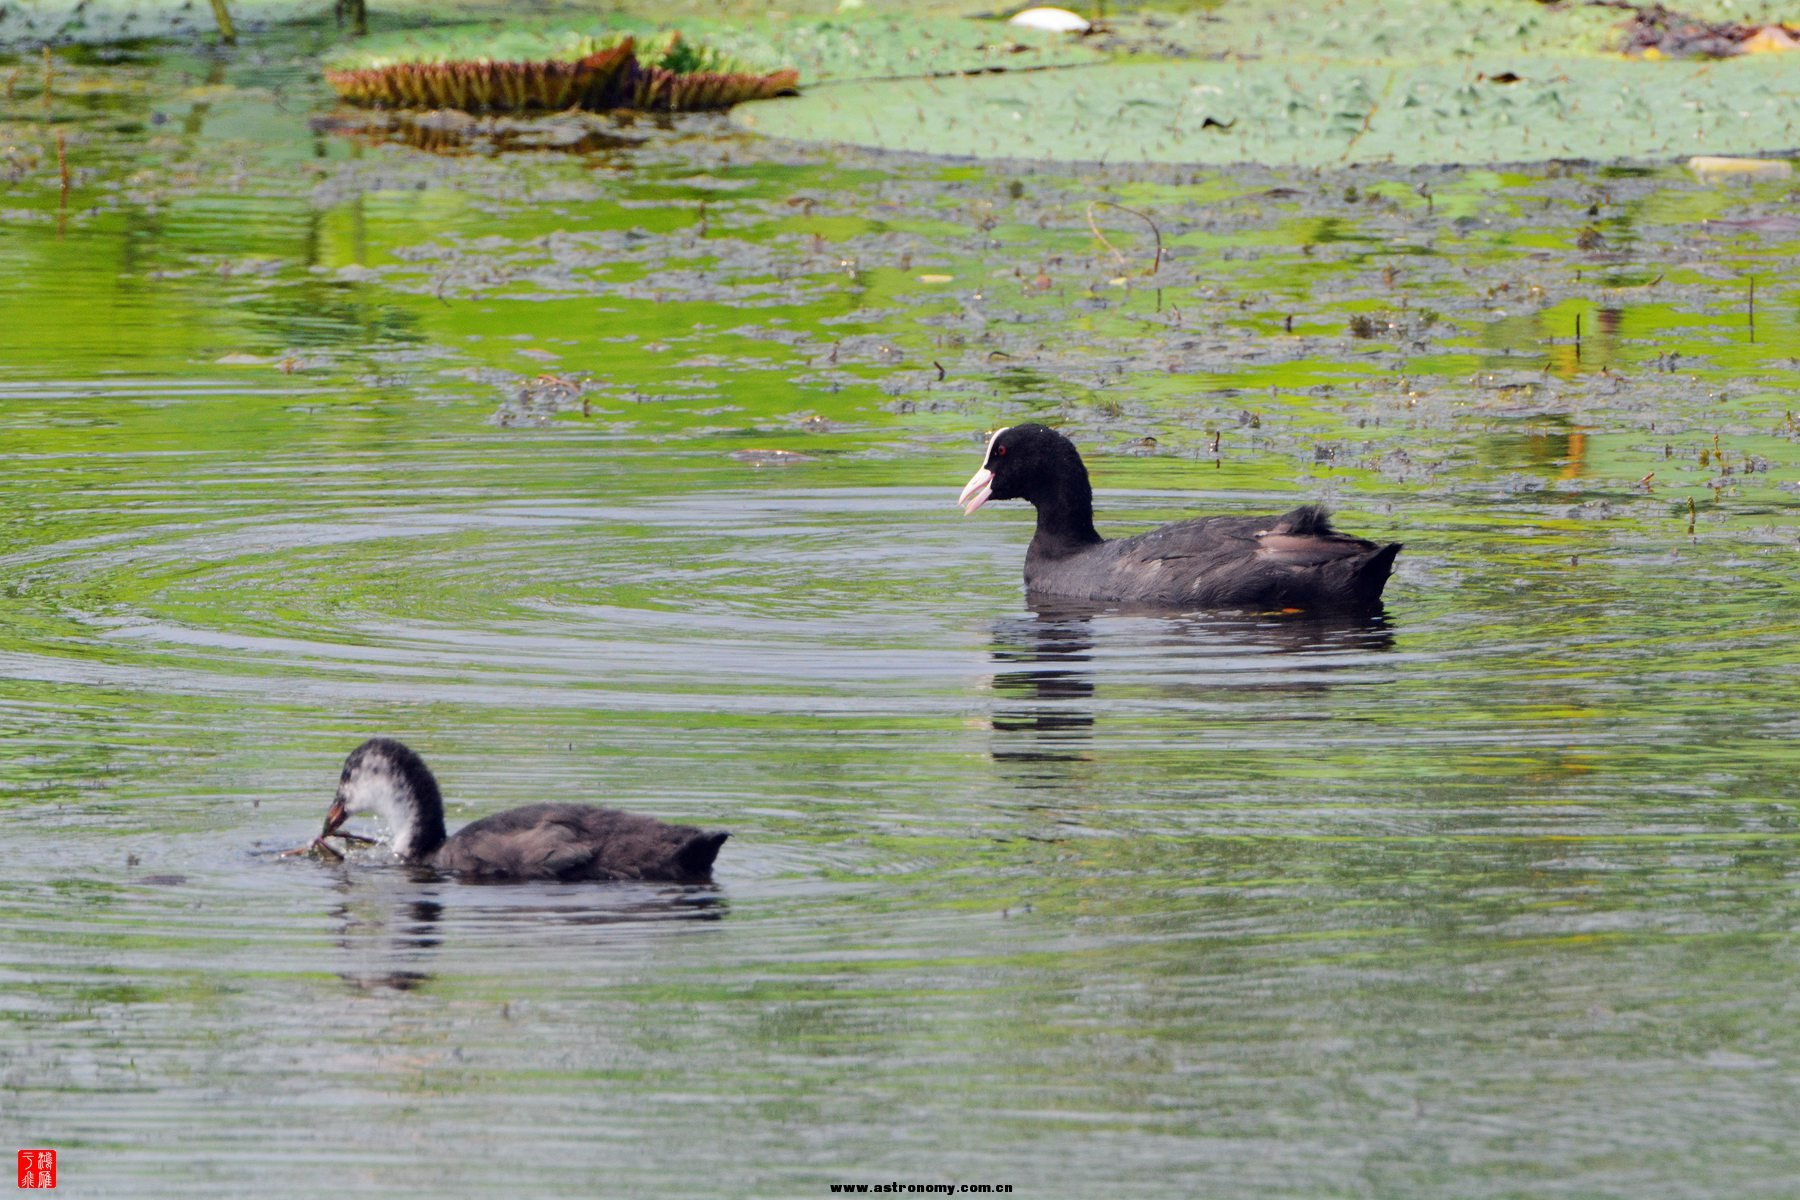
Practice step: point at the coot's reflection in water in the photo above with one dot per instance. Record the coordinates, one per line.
(399, 935)
(393, 923)
(1044, 687)
(1059, 667)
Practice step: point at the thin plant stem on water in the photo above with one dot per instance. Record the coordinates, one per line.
(227, 31)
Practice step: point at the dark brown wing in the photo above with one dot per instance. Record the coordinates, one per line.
(1294, 560)
(578, 842)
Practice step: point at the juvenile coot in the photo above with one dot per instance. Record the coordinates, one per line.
(538, 841)
(1292, 561)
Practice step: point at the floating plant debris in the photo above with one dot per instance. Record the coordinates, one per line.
(320, 848)
(478, 69)
(771, 458)
(1658, 32)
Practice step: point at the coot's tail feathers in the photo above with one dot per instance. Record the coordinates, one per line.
(1369, 572)
(696, 857)
(1309, 519)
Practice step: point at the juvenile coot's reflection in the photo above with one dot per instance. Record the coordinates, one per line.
(393, 922)
(401, 934)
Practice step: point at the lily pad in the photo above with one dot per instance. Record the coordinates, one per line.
(92, 22)
(1360, 86)
(866, 45)
(1392, 32)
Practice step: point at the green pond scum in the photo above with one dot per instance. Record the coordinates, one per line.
(614, 458)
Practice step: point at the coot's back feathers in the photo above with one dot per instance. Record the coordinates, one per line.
(578, 842)
(1307, 519)
(1296, 560)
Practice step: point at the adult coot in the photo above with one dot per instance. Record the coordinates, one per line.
(1296, 561)
(538, 841)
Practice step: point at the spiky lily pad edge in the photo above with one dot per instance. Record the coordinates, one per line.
(613, 77)
(483, 85)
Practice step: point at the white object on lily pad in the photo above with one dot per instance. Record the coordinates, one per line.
(1051, 20)
(1713, 165)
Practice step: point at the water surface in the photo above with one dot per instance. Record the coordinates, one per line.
(626, 475)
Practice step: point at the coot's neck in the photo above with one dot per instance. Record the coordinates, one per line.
(421, 837)
(1065, 516)
(416, 813)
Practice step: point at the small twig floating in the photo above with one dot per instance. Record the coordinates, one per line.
(317, 846)
(325, 849)
(227, 31)
(1144, 217)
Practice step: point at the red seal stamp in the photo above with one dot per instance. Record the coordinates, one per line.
(37, 1168)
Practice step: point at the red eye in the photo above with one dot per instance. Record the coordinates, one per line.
(999, 451)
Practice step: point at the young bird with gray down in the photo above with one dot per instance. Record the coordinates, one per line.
(569, 842)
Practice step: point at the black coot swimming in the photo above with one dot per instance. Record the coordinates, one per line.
(1295, 561)
(539, 841)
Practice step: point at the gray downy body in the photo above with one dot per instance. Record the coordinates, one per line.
(570, 842)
